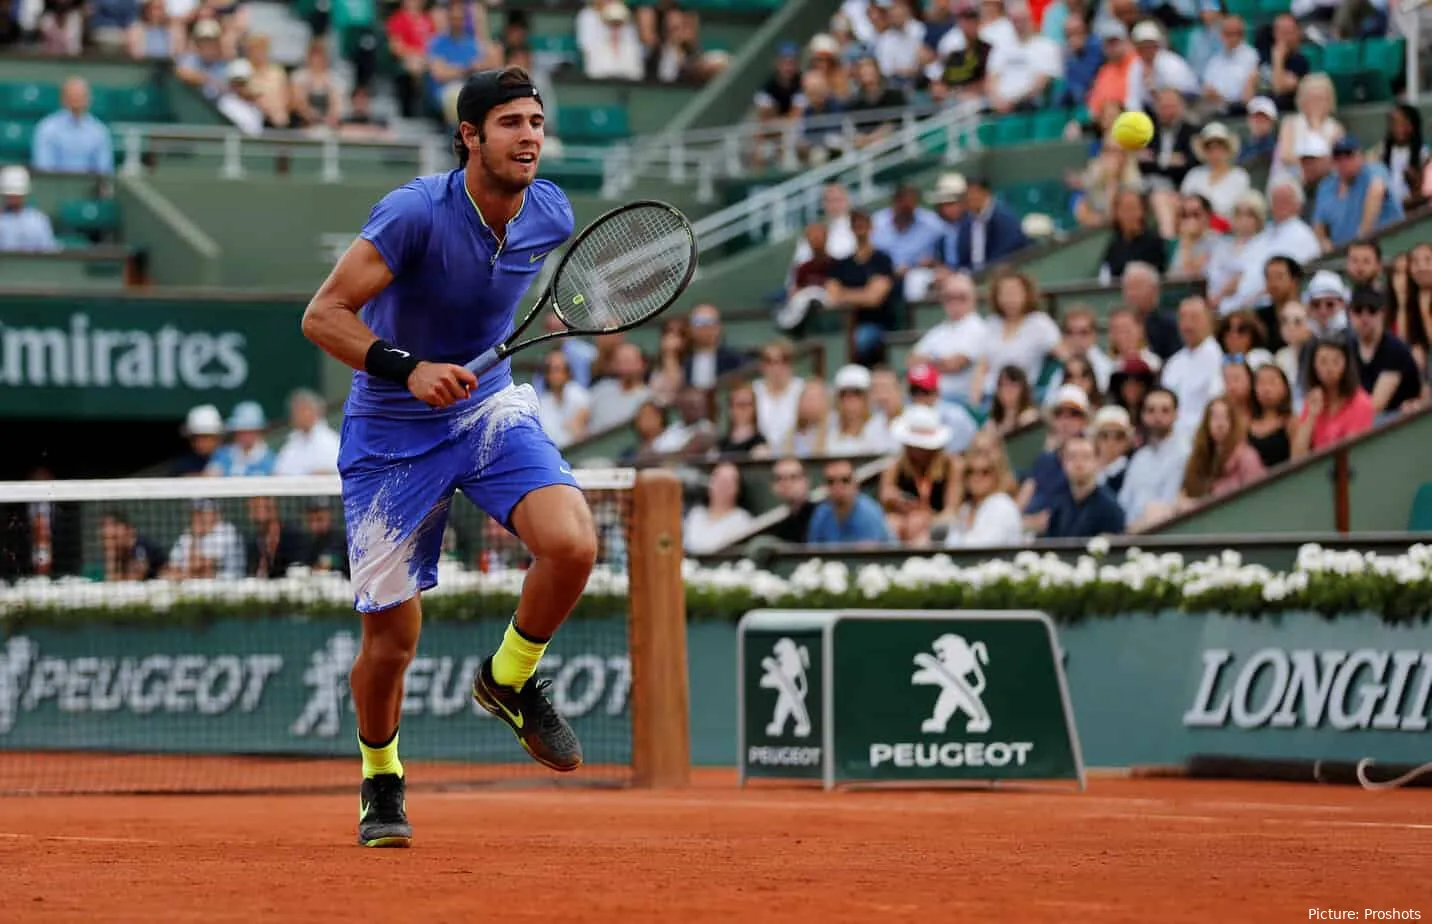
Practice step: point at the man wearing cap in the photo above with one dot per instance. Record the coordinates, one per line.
(1155, 67)
(23, 228)
(248, 454)
(1355, 200)
(204, 429)
(924, 382)
(204, 68)
(1262, 139)
(1385, 364)
(948, 201)
(437, 273)
(72, 140)
(1066, 417)
(1315, 162)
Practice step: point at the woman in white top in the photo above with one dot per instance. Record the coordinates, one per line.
(855, 428)
(1293, 327)
(1219, 179)
(1196, 241)
(812, 424)
(1225, 265)
(720, 522)
(563, 406)
(1018, 334)
(1316, 102)
(989, 516)
(778, 392)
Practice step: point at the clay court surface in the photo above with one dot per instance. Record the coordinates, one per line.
(1124, 850)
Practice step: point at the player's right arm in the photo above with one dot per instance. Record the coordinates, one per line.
(331, 319)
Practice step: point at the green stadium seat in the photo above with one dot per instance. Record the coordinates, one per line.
(1049, 125)
(1384, 55)
(1362, 87)
(1178, 40)
(1314, 54)
(565, 45)
(348, 14)
(1049, 197)
(74, 242)
(88, 216)
(131, 104)
(1268, 10)
(1419, 519)
(1342, 58)
(592, 124)
(1011, 130)
(30, 100)
(1248, 9)
(15, 141)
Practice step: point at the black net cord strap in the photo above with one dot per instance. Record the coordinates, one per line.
(197, 634)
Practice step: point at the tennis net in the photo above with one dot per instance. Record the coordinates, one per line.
(196, 635)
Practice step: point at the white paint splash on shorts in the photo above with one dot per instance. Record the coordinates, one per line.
(496, 415)
(384, 573)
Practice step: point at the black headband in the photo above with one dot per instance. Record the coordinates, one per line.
(481, 93)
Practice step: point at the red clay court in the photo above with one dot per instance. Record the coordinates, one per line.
(1125, 850)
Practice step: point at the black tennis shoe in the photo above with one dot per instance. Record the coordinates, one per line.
(539, 727)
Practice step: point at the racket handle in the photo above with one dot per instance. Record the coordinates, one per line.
(484, 362)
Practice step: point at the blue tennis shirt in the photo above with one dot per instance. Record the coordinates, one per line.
(455, 290)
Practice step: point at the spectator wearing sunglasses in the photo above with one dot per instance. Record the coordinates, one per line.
(846, 516)
(1355, 200)
(1386, 368)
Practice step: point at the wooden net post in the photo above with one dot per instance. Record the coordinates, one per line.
(660, 718)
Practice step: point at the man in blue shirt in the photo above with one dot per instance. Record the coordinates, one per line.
(1355, 200)
(72, 140)
(910, 235)
(1083, 507)
(453, 54)
(433, 280)
(23, 228)
(846, 516)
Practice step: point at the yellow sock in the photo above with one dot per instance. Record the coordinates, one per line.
(516, 658)
(380, 759)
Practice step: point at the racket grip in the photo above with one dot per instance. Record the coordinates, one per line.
(484, 362)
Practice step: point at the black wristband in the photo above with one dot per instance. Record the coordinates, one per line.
(386, 361)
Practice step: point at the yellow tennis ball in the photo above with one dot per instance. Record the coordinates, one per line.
(1133, 130)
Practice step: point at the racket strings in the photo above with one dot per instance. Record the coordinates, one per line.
(624, 269)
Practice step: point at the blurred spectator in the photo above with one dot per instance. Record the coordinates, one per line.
(855, 428)
(268, 82)
(1082, 59)
(988, 517)
(995, 26)
(897, 46)
(1364, 264)
(204, 429)
(1054, 16)
(864, 285)
(311, 447)
(1327, 296)
(1283, 63)
(1110, 172)
(1068, 416)
(1082, 507)
(1218, 179)
(826, 62)
(108, 23)
(1316, 103)
(273, 546)
(1166, 161)
(1386, 369)
(962, 59)
(23, 228)
(1335, 407)
(743, 432)
(603, 364)
(1194, 373)
(709, 358)
(677, 56)
(1297, 337)
(1155, 68)
(1230, 78)
(1017, 333)
(1140, 289)
(211, 549)
(720, 521)
(1197, 243)
(153, 37)
(846, 516)
(322, 547)
(777, 392)
(128, 554)
(1020, 70)
(1315, 162)
(1206, 39)
(61, 27)
(648, 425)
(1224, 271)
(820, 131)
(694, 433)
(1078, 371)
(1262, 126)
(948, 201)
(72, 140)
(1128, 342)
(1155, 472)
(1357, 201)
(669, 374)
(565, 407)
(1113, 434)
(581, 353)
(1012, 407)
(1134, 239)
(911, 236)
(410, 29)
(40, 538)
(805, 289)
(989, 232)
(206, 68)
(615, 399)
(955, 345)
(1411, 293)
(1243, 337)
(1130, 384)
(839, 239)
(1281, 278)
(1286, 234)
(1111, 82)
(813, 417)
(924, 384)
(776, 98)
(887, 397)
(1272, 414)
(919, 489)
(873, 94)
(1404, 155)
(239, 103)
(248, 454)
(1221, 459)
(1080, 346)
(359, 122)
(617, 53)
(791, 487)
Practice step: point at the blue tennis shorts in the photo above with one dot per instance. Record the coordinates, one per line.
(399, 476)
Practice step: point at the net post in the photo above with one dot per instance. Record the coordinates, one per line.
(660, 720)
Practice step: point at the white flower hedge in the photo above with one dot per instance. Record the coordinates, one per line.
(1399, 587)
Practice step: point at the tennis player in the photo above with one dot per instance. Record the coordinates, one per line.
(434, 280)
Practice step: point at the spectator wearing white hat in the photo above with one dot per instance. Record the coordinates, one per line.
(617, 55)
(239, 103)
(1113, 434)
(1066, 417)
(206, 67)
(1218, 178)
(248, 454)
(23, 228)
(855, 428)
(920, 487)
(1326, 297)
(1155, 67)
(1194, 373)
(204, 430)
(947, 200)
(1262, 138)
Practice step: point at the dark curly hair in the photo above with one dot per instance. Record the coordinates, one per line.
(508, 78)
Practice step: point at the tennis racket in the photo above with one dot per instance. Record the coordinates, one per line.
(624, 269)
